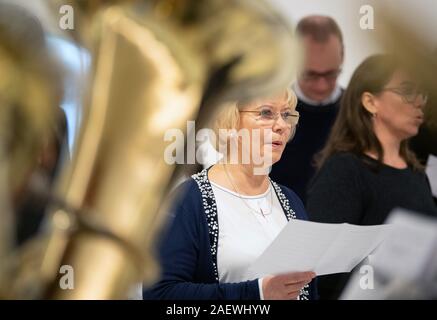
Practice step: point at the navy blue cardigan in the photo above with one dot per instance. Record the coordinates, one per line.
(188, 248)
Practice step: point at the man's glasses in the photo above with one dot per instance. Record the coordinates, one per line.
(409, 94)
(267, 117)
(314, 76)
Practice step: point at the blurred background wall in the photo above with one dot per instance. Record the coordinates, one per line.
(420, 14)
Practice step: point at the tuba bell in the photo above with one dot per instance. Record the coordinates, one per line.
(155, 65)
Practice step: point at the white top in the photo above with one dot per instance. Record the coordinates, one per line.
(244, 233)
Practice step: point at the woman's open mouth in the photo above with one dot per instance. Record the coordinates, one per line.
(277, 144)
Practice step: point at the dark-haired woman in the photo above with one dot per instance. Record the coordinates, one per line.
(366, 169)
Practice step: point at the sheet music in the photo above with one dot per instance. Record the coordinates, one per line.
(320, 247)
(431, 171)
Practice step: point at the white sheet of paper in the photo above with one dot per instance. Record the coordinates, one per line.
(404, 265)
(320, 247)
(411, 248)
(431, 171)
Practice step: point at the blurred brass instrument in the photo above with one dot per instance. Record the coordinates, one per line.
(29, 92)
(155, 65)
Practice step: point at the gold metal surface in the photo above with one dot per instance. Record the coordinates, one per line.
(155, 65)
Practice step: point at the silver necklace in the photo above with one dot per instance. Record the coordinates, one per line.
(244, 201)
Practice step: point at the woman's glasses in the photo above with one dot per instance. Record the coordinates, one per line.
(267, 116)
(409, 94)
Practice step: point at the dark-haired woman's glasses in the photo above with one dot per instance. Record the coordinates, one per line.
(409, 94)
(267, 116)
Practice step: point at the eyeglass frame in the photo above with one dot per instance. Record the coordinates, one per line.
(328, 75)
(276, 116)
(403, 95)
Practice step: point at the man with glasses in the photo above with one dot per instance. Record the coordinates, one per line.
(319, 97)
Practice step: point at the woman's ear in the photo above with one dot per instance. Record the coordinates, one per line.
(369, 102)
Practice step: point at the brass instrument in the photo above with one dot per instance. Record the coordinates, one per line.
(155, 65)
(29, 94)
